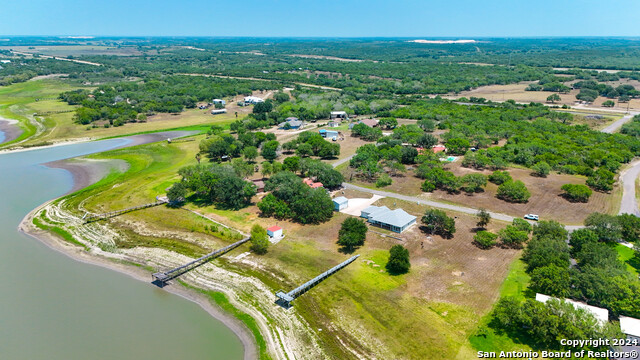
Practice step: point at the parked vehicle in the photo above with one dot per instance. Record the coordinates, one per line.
(533, 217)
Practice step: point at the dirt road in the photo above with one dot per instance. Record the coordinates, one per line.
(618, 124)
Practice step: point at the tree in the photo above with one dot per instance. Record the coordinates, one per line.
(522, 225)
(259, 239)
(512, 237)
(177, 193)
(499, 177)
(437, 222)
(576, 192)
(551, 280)
(266, 169)
(399, 262)
(292, 164)
(473, 183)
(601, 180)
(270, 150)
(485, 239)
(541, 169)
(427, 125)
(483, 218)
(352, 234)
(513, 191)
(250, 153)
(580, 237)
(242, 168)
(426, 141)
(314, 208)
(408, 155)
(388, 122)
(553, 98)
(304, 150)
(457, 146)
(272, 206)
(606, 226)
(608, 103)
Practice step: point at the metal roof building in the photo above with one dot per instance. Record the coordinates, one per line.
(396, 220)
(340, 203)
(602, 315)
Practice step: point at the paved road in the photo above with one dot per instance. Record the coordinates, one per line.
(440, 205)
(618, 124)
(342, 161)
(629, 203)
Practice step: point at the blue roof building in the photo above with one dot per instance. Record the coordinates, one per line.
(340, 203)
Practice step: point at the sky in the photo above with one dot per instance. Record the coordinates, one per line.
(321, 18)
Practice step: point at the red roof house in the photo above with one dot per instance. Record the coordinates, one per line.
(438, 148)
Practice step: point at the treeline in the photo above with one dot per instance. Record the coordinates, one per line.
(21, 69)
(124, 102)
(597, 278)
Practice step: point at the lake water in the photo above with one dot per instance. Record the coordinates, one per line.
(52, 307)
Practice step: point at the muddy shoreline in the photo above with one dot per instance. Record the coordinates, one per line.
(86, 172)
(10, 129)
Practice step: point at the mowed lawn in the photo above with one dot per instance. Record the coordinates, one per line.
(427, 314)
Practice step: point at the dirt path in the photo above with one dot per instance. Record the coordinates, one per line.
(56, 58)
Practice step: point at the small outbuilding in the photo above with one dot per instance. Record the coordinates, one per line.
(438, 148)
(333, 124)
(340, 203)
(218, 111)
(218, 101)
(369, 122)
(396, 220)
(252, 100)
(275, 232)
(330, 134)
(339, 115)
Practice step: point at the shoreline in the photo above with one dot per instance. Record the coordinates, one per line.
(85, 173)
(10, 129)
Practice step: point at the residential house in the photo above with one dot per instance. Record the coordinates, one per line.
(312, 184)
(396, 220)
(294, 123)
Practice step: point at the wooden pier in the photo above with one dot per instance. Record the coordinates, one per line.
(285, 299)
(161, 278)
(96, 217)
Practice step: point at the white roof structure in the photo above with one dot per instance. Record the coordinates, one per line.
(5, 61)
(338, 113)
(253, 99)
(630, 326)
(382, 214)
(341, 200)
(602, 315)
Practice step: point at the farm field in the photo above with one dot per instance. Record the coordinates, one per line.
(517, 92)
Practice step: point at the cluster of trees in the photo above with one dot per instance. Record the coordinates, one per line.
(591, 89)
(632, 128)
(130, 101)
(599, 278)
(312, 144)
(536, 138)
(542, 324)
(366, 132)
(352, 234)
(213, 183)
(290, 198)
(321, 172)
(514, 235)
(221, 146)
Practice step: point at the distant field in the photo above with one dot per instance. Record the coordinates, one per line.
(517, 92)
(75, 50)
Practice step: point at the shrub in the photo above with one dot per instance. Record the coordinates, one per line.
(500, 177)
(437, 222)
(259, 239)
(383, 180)
(485, 239)
(576, 192)
(513, 191)
(541, 169)
(512, 237)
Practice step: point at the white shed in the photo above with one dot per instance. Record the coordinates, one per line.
(340, 203)
(275, 231)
